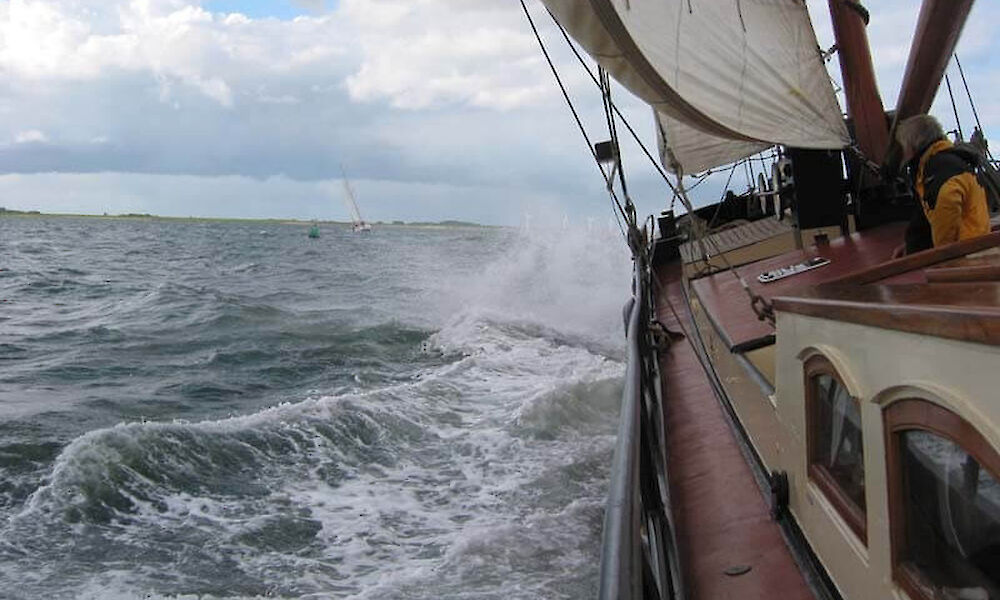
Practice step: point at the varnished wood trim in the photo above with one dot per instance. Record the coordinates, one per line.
(978, 324)
(852, 514)
(918, 260)
(910, 414)
(713, 321)
(959, 274)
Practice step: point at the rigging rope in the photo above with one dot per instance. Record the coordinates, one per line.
(975, 113)
(954, 108)
(635, 237)
(968, 93)
(609, 115)
(635, 136)
(718, 207)
(760, 305)
(871, 165)
(572, 108)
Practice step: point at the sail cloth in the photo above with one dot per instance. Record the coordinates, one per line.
(726, 78)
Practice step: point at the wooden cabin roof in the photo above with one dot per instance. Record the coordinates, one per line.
(727, 303)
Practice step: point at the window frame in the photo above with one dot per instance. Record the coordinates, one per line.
(911, 414)
(854, 515)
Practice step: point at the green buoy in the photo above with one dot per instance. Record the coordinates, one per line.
(314, 231)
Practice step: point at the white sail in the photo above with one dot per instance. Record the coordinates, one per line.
(358, 223)
(351, 201)
(726, 78)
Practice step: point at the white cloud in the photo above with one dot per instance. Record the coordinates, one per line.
(413, 93)
(216, 89)
(29, 136)
(171, 41)
(426, 53)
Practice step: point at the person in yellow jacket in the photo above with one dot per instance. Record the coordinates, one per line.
(946, 186)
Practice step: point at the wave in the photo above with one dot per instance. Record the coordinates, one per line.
(332, 488)
(449, 420)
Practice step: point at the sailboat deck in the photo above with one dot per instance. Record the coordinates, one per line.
(727, 305)
(735, 238)
(723, 522)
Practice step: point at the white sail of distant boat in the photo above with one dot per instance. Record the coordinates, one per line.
(358, 224)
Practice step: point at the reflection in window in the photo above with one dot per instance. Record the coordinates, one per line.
(952, 516)
(836, 447)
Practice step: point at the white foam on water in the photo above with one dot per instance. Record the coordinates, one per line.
(483, 477)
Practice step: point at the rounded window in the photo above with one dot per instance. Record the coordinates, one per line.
(944, 497)
(834, 442)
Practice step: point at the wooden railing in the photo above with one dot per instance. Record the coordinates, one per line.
(638, 555)
(961, 303)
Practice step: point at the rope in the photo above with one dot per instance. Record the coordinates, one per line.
(660, 293)
(954, 109)
(975, 113)
(968, 93)
(724, 188)
(760, 305)
(569, 102)
(635, 136)
(872, 166)
(616, 147)
(700, 180)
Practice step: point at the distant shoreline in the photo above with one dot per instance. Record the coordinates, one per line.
(6, 212)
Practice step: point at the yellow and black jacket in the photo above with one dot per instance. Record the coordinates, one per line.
(952, 199)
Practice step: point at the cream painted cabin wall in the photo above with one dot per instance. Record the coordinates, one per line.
(878, 366)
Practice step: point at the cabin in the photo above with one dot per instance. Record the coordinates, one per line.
(865, 411)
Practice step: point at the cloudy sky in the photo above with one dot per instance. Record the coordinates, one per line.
(436, 109)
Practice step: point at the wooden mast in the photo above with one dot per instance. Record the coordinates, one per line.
(934, 42)
(864, 104)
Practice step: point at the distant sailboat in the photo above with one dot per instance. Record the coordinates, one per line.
(358, 224)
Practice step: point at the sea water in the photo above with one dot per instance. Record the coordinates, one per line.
(232, 409)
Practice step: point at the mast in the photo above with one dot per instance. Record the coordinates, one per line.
(352, 203)
(864, 104)
(938, 29)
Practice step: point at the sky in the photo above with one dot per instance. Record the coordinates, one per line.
(435, 109)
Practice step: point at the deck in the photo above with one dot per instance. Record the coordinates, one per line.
(729, 309)
(723, 522)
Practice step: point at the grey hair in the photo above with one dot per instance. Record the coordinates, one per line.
(916, 133)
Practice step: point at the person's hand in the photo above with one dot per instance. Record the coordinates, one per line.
(899, 252)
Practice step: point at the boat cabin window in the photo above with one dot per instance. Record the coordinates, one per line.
(834, 444)
(944, 497)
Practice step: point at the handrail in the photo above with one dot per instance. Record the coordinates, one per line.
(638, 554)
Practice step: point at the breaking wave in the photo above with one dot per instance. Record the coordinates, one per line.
(453, 443)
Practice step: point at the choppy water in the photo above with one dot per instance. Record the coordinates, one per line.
(234, 410)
